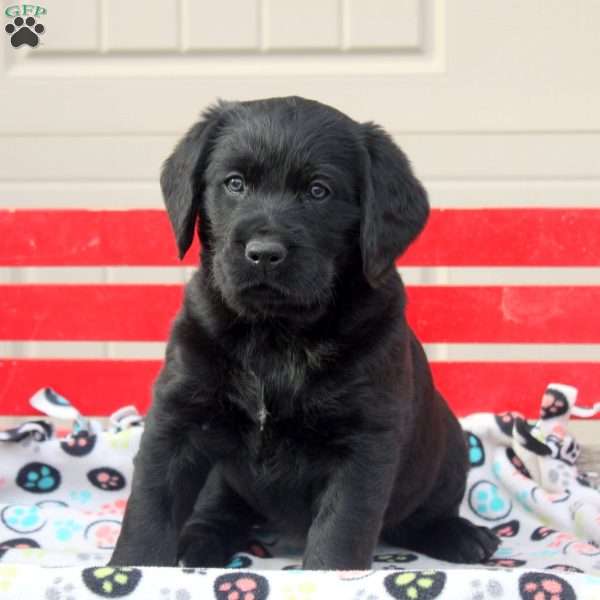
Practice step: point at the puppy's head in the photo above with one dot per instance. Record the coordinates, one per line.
(291, 195)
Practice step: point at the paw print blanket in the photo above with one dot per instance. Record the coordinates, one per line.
(62, 500)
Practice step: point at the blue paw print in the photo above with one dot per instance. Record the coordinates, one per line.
(22, 519)
(239, 562)
(82, 497)
(38, 478)
(486, 501)
(476, 453)
(66, 529)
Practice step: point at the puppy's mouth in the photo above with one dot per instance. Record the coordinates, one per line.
(265, 292)
(269, 299)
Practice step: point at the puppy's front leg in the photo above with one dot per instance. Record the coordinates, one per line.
(350, 511)
(167, 478)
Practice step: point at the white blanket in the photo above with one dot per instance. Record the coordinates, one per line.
(62, 500)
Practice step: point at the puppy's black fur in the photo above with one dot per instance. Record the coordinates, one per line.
(293, 391)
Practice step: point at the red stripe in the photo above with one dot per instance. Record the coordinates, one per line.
(88, 238)
(99, 387)
(509, 237)
(461, 237)
(495, 387)
(506, 314)
(95, 387)
(439, 314)
(88, 312)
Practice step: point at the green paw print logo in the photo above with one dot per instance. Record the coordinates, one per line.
(487, 501)
(38, 478)
(111, 582)
(415, 585)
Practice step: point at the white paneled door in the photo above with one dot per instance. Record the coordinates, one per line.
(494, 100)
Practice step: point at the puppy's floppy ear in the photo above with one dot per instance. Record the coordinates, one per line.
(393, 202)
(182, 181)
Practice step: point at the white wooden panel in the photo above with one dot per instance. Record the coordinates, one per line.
(70, 26)
(124, 158)
(121, 195)
(223, 25)
(302, 25)
(140, 25)
(383, 23)
(494, 66)
(130, 158)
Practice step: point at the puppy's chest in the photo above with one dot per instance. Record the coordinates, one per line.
(278, 392)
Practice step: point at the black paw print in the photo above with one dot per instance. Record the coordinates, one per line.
(38, 478)
(24, 32)
(241, 586)
(107, 479)
(543, 586)
(79, 444)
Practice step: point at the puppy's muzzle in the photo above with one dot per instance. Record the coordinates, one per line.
(266, 254)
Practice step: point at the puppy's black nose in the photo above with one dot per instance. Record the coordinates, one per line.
(265, 253)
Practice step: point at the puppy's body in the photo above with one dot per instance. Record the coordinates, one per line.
(295, 393)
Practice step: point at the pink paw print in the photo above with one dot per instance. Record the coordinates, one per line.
(116, 508)
(241, 586)
(106, 536)
(540, 586)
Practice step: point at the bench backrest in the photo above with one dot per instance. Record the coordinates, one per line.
(495, 336)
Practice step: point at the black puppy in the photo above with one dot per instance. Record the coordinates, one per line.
(293, 390)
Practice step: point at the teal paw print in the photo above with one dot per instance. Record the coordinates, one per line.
(38, 478)
(82, 497)
(65, 530)
(487, 501)
(476, 452)
(22, 519)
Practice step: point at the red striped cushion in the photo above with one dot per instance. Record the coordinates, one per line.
(440, 314)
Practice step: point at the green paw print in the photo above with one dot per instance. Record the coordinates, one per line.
(120, 440)
(8, 574)
(415, 585)
(301, 591)
(111, 582)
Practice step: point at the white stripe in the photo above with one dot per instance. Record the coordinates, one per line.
(513, 352)
(435, 352)
(443, 193)
(576, 276)
(83, 350)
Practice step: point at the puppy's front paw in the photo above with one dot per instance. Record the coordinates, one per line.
(201, 548)
(458, 540)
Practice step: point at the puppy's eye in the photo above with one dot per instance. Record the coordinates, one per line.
(235, 184)
(318, 191)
